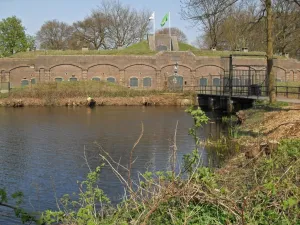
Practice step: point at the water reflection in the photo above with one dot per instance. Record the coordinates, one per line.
(41, 149)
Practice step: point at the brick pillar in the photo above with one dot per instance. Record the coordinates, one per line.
(6, 76)
(36, 75)
(41, 77)
(291, 76)
(122, 78)
(158, 80)
(193, 79)
(84, 75)
(2, 76)
(47, 76)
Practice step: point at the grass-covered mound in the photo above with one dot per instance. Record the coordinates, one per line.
(186, 47)
(141, 48)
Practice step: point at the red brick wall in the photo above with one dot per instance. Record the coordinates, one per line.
(158, 68)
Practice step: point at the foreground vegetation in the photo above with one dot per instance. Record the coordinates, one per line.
(264, 190)
(260, 190)
(56, 90)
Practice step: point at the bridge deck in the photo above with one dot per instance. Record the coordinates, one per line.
(254, 97)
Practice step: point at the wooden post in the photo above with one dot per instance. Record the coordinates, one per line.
(270, 73)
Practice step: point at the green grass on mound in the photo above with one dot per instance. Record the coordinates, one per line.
(187, 47)
(211, 53)
(135, 49)
(141, 48)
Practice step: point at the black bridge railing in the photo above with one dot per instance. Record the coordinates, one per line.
(288, 91)
(246, 90)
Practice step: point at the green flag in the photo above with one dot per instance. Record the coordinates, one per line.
(164, 20)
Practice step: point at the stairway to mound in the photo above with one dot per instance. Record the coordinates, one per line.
(163, 42)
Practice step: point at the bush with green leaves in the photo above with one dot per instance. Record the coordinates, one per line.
(88, 207)
(17, 197)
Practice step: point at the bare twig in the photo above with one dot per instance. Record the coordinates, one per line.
(85, 158)
(131, 154)
(111, 159)
(174, 150)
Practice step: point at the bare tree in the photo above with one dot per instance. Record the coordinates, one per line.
(238, 30)
(181, 36)
(92, 31)
(126, 25)
(212, 13)
(200, 42)
(297, 2)
(208, 13)
(54, 35)
(286, 27)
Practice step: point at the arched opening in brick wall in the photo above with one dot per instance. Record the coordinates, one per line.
(140, 72)
(280, 74)
(17, 75)
(210, 72)
(102, 72)
(65, 72)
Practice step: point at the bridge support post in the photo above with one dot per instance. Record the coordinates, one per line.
(211, 103)
(229, 105)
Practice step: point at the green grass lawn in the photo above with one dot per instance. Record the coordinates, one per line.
(94, 89)
(77, 89)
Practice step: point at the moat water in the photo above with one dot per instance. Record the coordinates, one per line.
(42, 149)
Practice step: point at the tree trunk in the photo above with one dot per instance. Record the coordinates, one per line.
(270, 73)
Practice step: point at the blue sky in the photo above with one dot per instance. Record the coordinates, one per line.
(34, 13)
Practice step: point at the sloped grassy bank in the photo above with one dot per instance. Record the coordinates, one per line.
(76, 93)
(264, 190)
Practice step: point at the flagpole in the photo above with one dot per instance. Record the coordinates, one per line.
(170, 31)
(154, 27)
